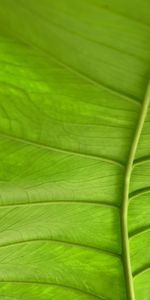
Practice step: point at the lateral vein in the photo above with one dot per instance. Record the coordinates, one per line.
(59, 150)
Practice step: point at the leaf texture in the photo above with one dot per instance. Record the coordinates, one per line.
(74, 150)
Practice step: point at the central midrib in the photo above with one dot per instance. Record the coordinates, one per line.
(124, 210)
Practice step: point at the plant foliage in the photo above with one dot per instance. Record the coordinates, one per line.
(74, 150)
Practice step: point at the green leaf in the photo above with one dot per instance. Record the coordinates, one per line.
(74, 150)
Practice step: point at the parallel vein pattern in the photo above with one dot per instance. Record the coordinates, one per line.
(67, 122)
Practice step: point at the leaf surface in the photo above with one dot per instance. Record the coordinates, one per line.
(74, 150)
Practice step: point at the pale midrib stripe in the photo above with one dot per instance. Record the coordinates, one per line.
(124, 210)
